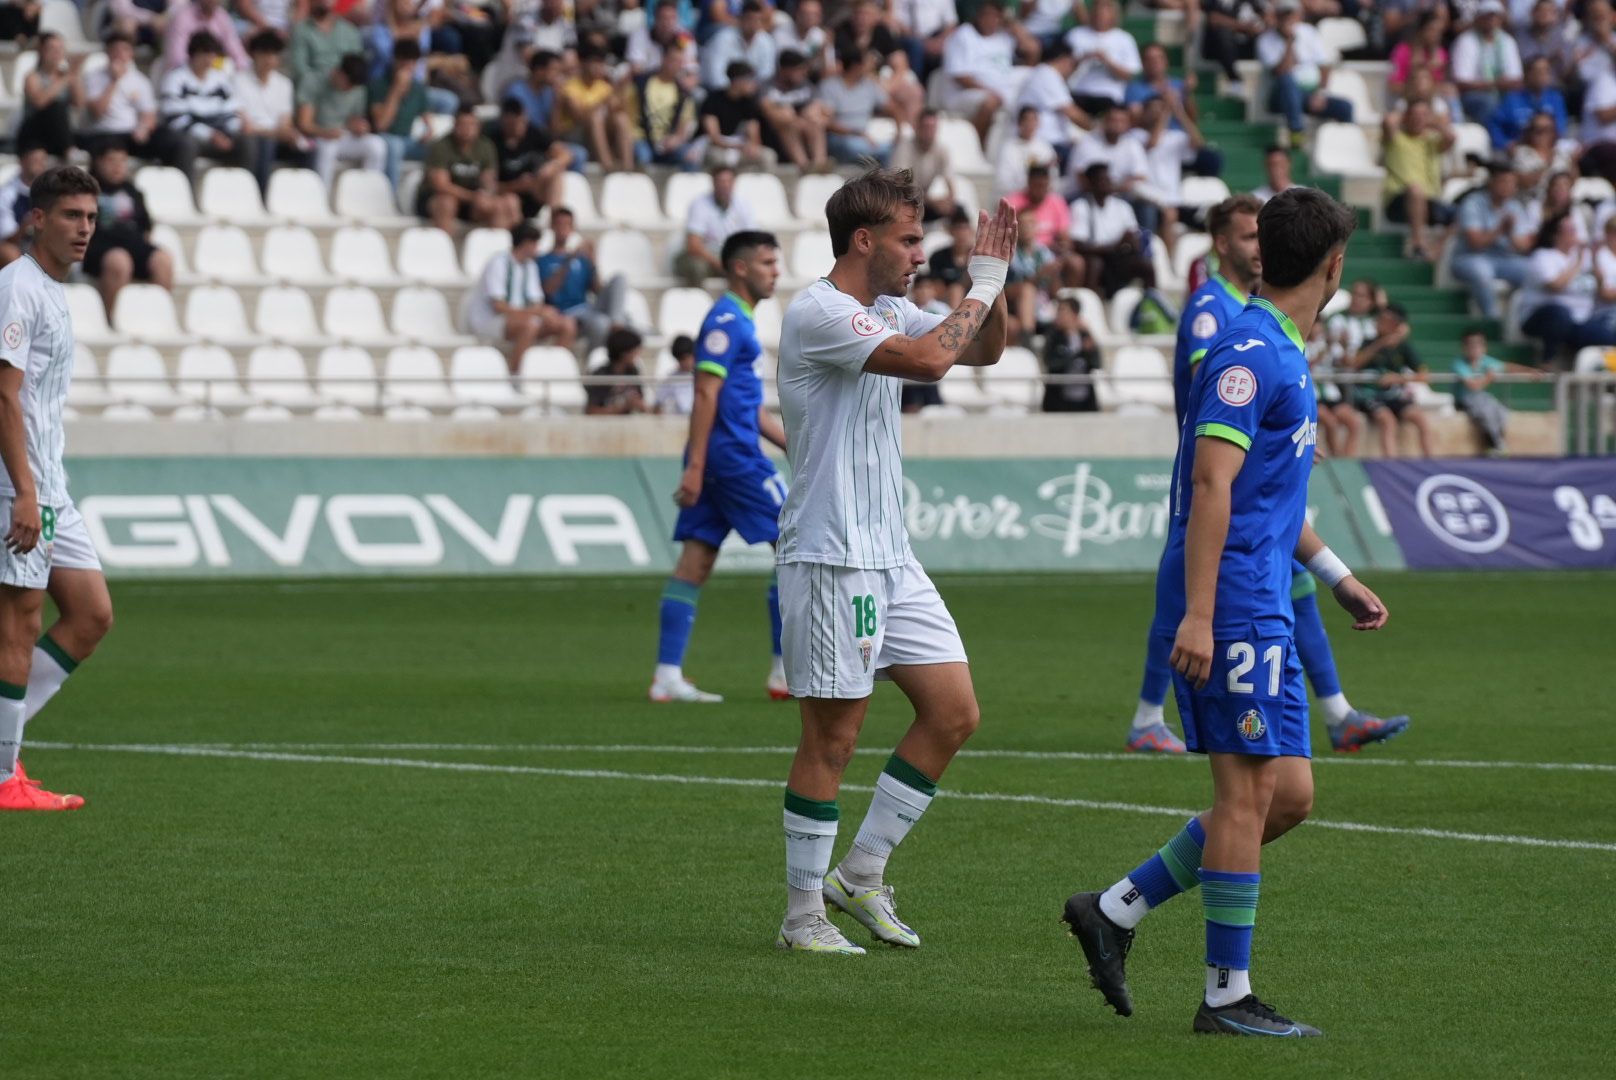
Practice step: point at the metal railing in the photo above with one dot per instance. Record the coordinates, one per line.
(1587, 405)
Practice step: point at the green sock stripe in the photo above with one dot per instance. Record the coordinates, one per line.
(681, 592)
(812, 808)
(1230, 916)
(905, 773)
(13, 691)
(1230, 902)
(57, 653)
(1183, 859)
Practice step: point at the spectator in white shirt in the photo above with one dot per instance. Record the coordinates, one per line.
(1599, 128)
(508, 303)
(646, 45)
(1560, 293)
(1045, 89)
(1124, 158)
(677, 394)
(978, 60)
(748, 40)
(1107, 56)
(198, 103)
(120, 104)
(923, 28)
(1167, 150)
(710, 221)
(805, 35)
(264, 96)
(32, 161)
(1020, 152)
(1105, 238)
(1298, 63)
(1486, 63)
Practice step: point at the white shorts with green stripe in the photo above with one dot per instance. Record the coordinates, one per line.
(64, 541)
(842, 627)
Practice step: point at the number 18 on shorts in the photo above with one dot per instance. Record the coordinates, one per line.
(1254, 702)
(841, 627)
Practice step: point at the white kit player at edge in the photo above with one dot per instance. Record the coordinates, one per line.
(855, 605)
(46, 545)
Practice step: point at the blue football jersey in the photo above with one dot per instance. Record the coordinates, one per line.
(728, 347)
(1251, 388)
(1209, 309)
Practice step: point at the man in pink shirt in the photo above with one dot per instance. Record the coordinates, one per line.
(185, 19)
(1053, 215)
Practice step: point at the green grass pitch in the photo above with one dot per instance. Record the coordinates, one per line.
(548, 916)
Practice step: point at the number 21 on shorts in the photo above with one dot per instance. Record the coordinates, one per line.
(1243, 658)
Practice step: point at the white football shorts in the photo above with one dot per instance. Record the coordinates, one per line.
(842, 627)
(64, 541)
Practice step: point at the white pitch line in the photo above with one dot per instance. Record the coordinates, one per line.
(1027, 755)
(195, 750)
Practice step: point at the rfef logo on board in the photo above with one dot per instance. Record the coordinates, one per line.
(1462, 513)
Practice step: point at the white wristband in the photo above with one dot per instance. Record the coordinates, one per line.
(1328, 568)
(987, 278)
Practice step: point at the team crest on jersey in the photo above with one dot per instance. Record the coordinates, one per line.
(1250, 725)
(889, 317)
(1205, 324)
(864, 325)
(12, 335)
(866, 651)
(716, 342)
(1237, 386)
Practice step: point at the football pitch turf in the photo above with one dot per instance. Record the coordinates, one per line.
(433, 829)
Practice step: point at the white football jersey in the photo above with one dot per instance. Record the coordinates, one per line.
(36, 336)
(843, 437)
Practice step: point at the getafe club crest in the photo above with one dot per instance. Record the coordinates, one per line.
(1250, 725)
(866, 649)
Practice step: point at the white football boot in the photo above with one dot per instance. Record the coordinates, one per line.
(680, 689)
(872, 907)
(814, 933)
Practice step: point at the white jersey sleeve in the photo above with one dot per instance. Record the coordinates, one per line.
(36, 337)
(18, 308)
(836, 330)
(917, 323)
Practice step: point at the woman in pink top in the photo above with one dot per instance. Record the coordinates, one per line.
(1422, 48)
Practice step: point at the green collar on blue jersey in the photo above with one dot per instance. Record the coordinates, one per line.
(1229, 288)
(746, 309)
(1283, 319)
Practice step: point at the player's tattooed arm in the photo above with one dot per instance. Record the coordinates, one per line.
(991, 337)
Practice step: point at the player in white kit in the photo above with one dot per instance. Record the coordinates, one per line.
(854, 603)
(46, 546)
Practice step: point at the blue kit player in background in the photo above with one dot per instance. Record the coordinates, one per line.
(1233, 227)
(729, 484)
(1239, 519)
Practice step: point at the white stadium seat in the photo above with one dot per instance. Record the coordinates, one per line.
(479, 374)
(135, 374)
(811, 255)
(346, 375)
(964, 147)
(682, 310)
(1594, 189)
(366, 197)
(577, 197)
(1345, 150)
(637, 310)
(285, 313)
(767, 198)
(207, 374)
(359, 254)
(422, 315)
(89, 315)
(1203, 191)
(1140, 376)
(961, 386)
(480, 246)
(215, 314)
(549, 377)
(619, 251)
(231, 195)
(298, 196)
(87, 390)
(1093, 311)
(630, 200)
(1342, 35)
(168, 238)
(1350, 86)
(353, 314)
(23, 64)
(1468, 139)
(1190, 246)
(62, 17)
(813, 191)
(225, 253)
(1017, 379)
(146, 313)
(428, 256)
(276, 375)
(168, 195)
(1123, 303)
(414, 376)
(682, 190)
(882, 130)
(292, 254)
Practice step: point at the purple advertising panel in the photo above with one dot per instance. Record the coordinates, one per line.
(1489, 515)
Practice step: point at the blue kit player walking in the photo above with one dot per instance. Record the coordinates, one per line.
(1233, 227)
(728, 483)
(1239, 518)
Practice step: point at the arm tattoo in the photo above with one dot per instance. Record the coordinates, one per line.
(956, 332)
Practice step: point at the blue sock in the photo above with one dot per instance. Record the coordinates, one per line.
(1174, 868)
(774, 613)
(1313, 646)
(678, 619)
(1229, 902)
(1154, 687)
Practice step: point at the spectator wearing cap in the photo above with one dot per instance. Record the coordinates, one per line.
(1389, 400)
(1517, 107)
(950, 265)
(1486, 62)
(662, 115)
(1045, 90)
(1107, 58)
(268, 121)
(334, 120)
(711, 220)
(677, 394)
(461, 184)
(529, 162)
(573, 286)
(589, 111)
(508, 305)
(977, 62)
(1298, 62)
(318, 44)
(198, 106)
(185, 20)
(852, 99)
(1413, 144)
(1106, 237)
(1022, 151)
(120, 102)
(920, 152)
(748, 40)
(732, 122)
(1494, 239)
(794, 121)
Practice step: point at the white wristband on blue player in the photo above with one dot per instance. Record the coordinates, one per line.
(1328, 568)
(987, 278)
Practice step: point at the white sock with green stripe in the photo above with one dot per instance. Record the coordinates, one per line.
(810, 827)
(12, 714)
(50, 670)
(902, 793)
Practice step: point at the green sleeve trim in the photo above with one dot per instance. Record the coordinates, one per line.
(712, 369)
(58, 654)
(12, 691)
(1302, 584)
(906, 774)
(812, 808)
(1226, 433)
(1195, 357)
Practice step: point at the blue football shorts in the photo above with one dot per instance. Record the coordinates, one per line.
(746, 502)
(1255, 701)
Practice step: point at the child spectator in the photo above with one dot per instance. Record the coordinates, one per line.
(619, 393)
(677, 394)
(1388, 401)
(1475, 371)
(1069, 349)
(1034, 274)
(121, 250)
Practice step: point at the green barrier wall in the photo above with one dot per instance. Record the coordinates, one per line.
(310, 517)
